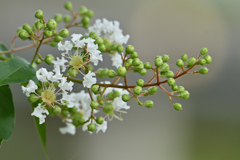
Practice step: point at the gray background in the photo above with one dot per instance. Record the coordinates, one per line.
(208, 126)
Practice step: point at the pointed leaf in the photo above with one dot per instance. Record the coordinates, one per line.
(4, 48)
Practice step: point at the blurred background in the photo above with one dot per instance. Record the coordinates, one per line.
(207, 128)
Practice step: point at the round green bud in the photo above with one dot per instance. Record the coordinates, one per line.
(83, 10)
(64, 33)
(39, 25)
(64, 113)
(116, 94)
(171, 81)
(27, 28)
(184, 95)
(208, 59)
(177, 106)
(139, 67)
(179, 63)
(191, 61)
(90, 67)
(140, 82)
(169, 74)
(52, 24)
(130, 49)
(121, 71)
(54, 32)
(67, 19)
(90, 13)
(140, 103)
(100, 120)
(158, 62)
(120, 48)
(181, 89)
(94, 104)
(68, 5)
(99, 41)
(102, 48)
(165, 58)
(114, 47)
(108, 108)
(142, 72)
(34, 27)
(19, 30)
(85, 20)
(38, 61)
(101, 102)
(72, 72)
(149, 104)
(33, 98)
(184, 57)
(204, 51)
(48, 59)
(95, 89)
(57, 38)
(137, 90)
(109, 95)
(111, 73)
(147, 65)
(126, 97)
(78, 121)
(104, 72)
(202, 62)
(203, 70)
(73, 110)
(48, 33)
(58, 18)
(136, 62)
(129, 61)
(107, 43)
(153, 90)
(99, 73)
(57, 110)
(98, 97)
(158, 57)
(53, 43)
(92, 127)
(134, 55)
(93, 35)
(145, 93)
(23, 34)
(39, 14)
(174, 87)
(165, 67)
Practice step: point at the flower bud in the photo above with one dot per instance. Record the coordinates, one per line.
(177, 106)
(34, 27)
(93, 35)
(204, 51)
(111, 73)
(72, 72)
(140, 103)
(137, 90)
(27, 28)
(95, 89)
(102, 48)
(181, 89)
(136, 62)
(169, 74)
(53, 43)
(57, 38)
(78, 121)
(191, 61)
(165, 67)
(142, 72)
(174, 87)
(51, 24)
(184, 95)
(64, 33)
(67, 19)
(203, 70)
(54, 32)
(100, 120)
(48, 33)
(108, 108)
(158, 62)
(208, 59)
(85, 20)
(126, 97)
(149, 104)
(116, 94)
(145, 93)
(58, 18)
(23, 34)
(92, 127)
(140, 82)
(39, 14)
(56, 110)
(179, 63)
(99, 41)
(134, 55)
(64, 113)
(114, 47)
(184, 57)
(130, 49)
(48, 59)
(38, 61)
(120, 48)
(153, 90)
(68, 5)
(165, 58)
(94, 104)
(33, 98)
(147, 65)
(73, 110)
(171, 81)
(39, 25)
(202, 62)
(83, 10)
(121, 71)
(90, 13)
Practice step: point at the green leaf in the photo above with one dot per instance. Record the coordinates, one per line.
(16, 70)
(7, 114)
(4, 48)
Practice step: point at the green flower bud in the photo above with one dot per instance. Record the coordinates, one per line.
(33, 98)
(93, 35)
(158, 57)
(85, 20)
(202, 62)
(177, 106)
(110, 96)
(121, 71)
(98, 97)
(48, 59)
(90, 13)
(102, 48)
(56, 84)
(191, 61)
(137, 90)
(67, 19)
(204, 51)
(34, 27)
(39, 14)
(57, 110)
(130, 61)
(51, 24)
(104, 72)
(126, 97)
(38, 61)
(116, 94)
(99, 41)
(83, 10)
(101, 102)
(181, 89)
(72, 72)
(142, 72)
(95, 89)
(100, 120)
(149, 104)
(147, 65)
(130, 49)
(54, 32)
(86, 26)
(120, 48)
(145, 93)
(19, 30)
(39, 25)
(140, 82)
(64, 113)
(27, 28)
(111, 73)
(64, 33)
(174, 87)
(94, 105)
(73, 110)
(153, 90)
(169, 74)
(58, 18)
(92, 127)
(48, 33)
(108, 108)
(184, 57)
(68, 5)
(184, 95)
(179, 63)
(53, 43)
(171, 81)
(165, 58)
(107, 43)
(114, 47)
(57, 38)
(208, 59)
(136, 62)
(203, 70)
(134, 55)
(23, 34)
(140, 103)
(158, 62)
(78, 121)
(165, 67)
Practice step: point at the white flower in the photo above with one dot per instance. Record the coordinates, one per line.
(102, 127)
(116, 60)
(89, 80)
(70, 128)
(76, 37)
(65, 86)
(43, 75)
(60, 63)
(120, 104)
(40, 113)
(31, 87)
(66, 47)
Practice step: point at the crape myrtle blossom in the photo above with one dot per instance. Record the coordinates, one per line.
(40, 112)
(116, 60)
(89, 80)
(31, 87)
